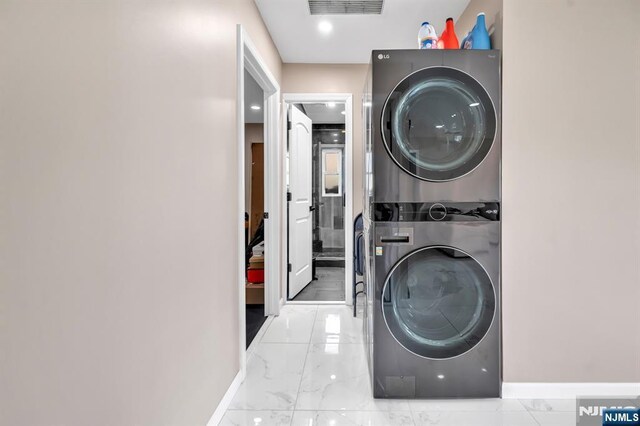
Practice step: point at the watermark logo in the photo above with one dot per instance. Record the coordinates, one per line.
(624, 416)
(608, 411)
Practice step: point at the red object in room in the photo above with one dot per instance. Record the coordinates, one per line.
(255, 276)
(448, 37)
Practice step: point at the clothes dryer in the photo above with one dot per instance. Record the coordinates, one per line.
(432, 121)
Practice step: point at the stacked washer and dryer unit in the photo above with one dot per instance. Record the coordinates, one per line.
(432, 223)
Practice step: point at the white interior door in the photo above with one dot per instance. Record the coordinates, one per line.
(300, 223)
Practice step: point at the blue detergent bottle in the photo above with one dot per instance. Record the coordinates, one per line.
(479, 37)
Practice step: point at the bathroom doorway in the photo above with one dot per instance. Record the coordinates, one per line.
(318, 235)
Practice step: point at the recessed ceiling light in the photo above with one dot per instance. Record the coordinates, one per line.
(255, 107)
(331, 104)
(335, 140)
(440, 376)
(335, 135)
(343, 112)
(325, 27)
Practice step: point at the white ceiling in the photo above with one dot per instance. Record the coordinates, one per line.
(296, 35)
(253, 95)
(322, 114)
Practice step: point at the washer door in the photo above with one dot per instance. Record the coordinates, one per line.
(438, 302)
(438, 124)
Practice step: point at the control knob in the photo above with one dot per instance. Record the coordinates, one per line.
(437, 212)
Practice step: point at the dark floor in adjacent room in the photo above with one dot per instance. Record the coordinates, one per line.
(328, 287)
(255, 319)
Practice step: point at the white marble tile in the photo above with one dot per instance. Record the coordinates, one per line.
(256, 340)
(557, 418)
(336, 378)
(256, 418)
(492, 404)
(336, 324)
(293, 325)
(274, 371)
(352, 418)
(549, 404)
(474, 418)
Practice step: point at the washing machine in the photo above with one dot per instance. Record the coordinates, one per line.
(433, 118)
(433, 317)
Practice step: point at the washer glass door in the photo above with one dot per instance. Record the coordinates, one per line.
(438, 302)
(438, 124)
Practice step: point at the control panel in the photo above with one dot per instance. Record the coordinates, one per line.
(437, 212)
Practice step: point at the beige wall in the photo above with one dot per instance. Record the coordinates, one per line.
(493, 18)
(571, 191)
(334, 78)
(118, 303)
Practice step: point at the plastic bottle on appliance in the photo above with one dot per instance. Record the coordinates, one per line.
(427, 37)
(448, 39)
(479, 37)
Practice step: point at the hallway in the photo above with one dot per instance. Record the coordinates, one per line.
(328, 286)
(308, 367)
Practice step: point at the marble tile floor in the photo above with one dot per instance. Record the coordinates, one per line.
(308, 367)
(329, 286)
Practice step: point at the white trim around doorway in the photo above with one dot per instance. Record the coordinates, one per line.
(347, 98)
(250, 60)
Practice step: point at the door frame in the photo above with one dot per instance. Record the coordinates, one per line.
(250, 60)
(347, 98)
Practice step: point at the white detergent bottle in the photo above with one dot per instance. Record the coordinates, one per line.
(427, 37)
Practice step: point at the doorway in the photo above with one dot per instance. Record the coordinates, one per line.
(254, 206)
(264, 258)
(319, 198)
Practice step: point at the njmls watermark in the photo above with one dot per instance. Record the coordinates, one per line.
(608, 411)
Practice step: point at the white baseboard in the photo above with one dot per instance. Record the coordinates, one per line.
(226, 400)
(567, 390)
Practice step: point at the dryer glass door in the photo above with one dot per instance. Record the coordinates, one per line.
(438, 302)
(438, 124)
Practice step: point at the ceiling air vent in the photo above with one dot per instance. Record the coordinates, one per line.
(345, 7)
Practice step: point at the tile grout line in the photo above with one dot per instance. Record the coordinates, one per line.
(533, 417)
(285, 343)
(260, 342)
(529, 412)
(257, 341)
(304, 364)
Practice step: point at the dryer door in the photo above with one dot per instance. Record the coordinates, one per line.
(438, 302)
(438, 124)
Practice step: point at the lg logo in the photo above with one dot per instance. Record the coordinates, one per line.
(381, 56)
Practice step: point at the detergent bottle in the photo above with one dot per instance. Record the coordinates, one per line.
(448, 39)
(479, 38)
(427, 37)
